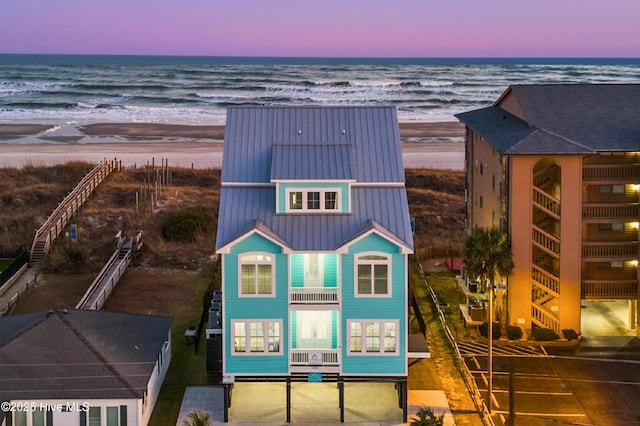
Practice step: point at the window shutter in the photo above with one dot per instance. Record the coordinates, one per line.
(83, 417)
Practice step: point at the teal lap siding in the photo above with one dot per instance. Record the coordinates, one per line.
(258, 308)
(375, 308)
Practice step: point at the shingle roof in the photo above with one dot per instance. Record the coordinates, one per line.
(74, 354)
(563, 119)
(261, 144)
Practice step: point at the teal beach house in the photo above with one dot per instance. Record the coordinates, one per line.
(314, 235)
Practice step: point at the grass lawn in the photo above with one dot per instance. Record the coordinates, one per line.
(188, 366)
(4, 263)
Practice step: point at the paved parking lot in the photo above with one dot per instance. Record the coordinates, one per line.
(595, 384)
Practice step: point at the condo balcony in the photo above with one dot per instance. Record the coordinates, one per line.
(611, 173)
(604, 251)
(601, 280)
(608, 212)
(609, 289)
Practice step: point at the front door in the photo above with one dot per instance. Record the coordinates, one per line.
(313, 267)
(313, 329)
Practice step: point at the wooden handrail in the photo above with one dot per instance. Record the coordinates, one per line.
(58, 219)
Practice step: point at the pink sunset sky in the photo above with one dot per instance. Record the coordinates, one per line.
(324, 28)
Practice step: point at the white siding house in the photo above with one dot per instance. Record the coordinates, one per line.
(81, 368)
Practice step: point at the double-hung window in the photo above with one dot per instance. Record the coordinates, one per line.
(256, 337)
(257, 274)
(373, 274)
(373, 337)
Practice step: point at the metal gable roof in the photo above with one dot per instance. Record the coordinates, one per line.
(244, 207)
(312, 162)
(281, 143)
(251, 132)
(571, 119)
(74, 354)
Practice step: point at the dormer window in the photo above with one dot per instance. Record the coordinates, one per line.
(313, 200)
(295, 200)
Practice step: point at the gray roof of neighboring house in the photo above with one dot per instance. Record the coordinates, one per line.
(338, 143)
(563, 119)
(75, 354)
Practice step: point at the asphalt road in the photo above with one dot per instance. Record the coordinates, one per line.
(559, 386)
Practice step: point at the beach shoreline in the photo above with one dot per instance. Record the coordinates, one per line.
(424, 144)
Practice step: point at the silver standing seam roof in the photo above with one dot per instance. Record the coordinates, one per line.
(356, 144)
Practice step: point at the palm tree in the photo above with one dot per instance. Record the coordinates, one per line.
(198, 418)
(487, 253)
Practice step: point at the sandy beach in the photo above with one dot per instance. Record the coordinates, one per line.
(425, 144)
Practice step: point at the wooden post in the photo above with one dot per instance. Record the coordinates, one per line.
(288, 400)
(137, 202)
(227, 403)
(341, 398)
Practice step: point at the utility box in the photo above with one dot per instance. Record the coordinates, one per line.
(477, 313)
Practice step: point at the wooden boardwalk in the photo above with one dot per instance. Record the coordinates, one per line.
(107, 279)
(61, 216)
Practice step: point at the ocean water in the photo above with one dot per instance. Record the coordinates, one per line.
(70, 89)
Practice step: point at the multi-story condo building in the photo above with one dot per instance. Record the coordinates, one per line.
(557, 168)
(314, 234)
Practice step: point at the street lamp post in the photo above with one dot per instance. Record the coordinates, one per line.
(490, 349)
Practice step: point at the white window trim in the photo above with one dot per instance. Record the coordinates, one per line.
(247, 337)
(363, 337)
(387, 262)
(272, 262)
(305, 192)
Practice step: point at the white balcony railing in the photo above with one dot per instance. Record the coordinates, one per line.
(315, 357)
(314, 295)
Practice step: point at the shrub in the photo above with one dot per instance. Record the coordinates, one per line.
(185, 226)
(570, 334)
(75, 256)
(484, 330)
(544, 334)
(426, 417)
(514, 332)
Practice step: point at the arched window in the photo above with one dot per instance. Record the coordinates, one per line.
(373, 274)
(256, 274)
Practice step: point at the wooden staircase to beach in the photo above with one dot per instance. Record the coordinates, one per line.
(61, 216)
